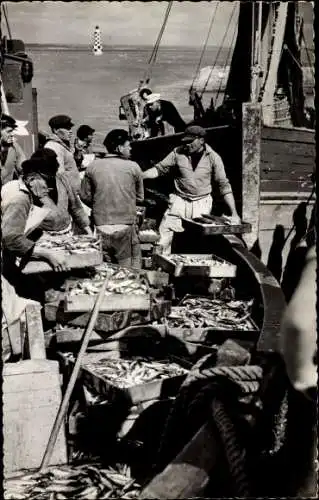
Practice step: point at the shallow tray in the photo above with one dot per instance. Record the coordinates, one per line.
(114, 302)
(156, 389)
(208, 225)
(72, 260)
(211, 269)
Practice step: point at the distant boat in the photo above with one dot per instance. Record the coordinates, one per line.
(97, 42)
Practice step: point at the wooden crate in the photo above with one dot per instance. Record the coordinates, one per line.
(73, 261)
(31, 398)
(156, 389)
(216, 268)
(209, 224)
(114, 302)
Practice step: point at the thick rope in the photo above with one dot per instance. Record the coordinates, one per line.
(219, 50)
(148, 73)
(5, 12)
(204, 46)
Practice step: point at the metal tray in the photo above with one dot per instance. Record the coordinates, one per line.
(211, 270)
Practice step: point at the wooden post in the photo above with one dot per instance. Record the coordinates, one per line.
(35, 345)
(251, 139)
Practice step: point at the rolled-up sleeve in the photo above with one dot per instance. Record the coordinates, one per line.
(14, 218)
(164, 166)
(219, 177)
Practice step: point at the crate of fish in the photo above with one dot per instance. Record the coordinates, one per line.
(84, 481)
(78, 252)
(202, 319)
(210, 224)
(127, 289)
(135, 378)
(195, 265)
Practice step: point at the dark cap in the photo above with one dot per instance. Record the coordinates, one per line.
(8, 121)
(84, 131)
(40, 165)
(61, 121)
(192, 132)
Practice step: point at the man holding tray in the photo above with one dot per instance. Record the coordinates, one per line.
(195, 167)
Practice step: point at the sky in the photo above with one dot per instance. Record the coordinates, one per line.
(121, 23)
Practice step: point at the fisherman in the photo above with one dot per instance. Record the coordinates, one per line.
(195, 166)
(298, 339)
(41, 199)
(11, 153)
(60, 142)
(82, 143)
(112, 187)
(157, 112)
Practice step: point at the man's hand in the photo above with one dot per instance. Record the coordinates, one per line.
(233, 219)
(56, 261)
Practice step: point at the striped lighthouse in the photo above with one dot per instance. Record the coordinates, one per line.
(97, 42)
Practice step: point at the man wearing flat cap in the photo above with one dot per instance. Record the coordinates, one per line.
(11, 153)
(60, 142)
(157, 112)
(195, 167)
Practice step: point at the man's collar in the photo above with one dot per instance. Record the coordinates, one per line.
(22, 186)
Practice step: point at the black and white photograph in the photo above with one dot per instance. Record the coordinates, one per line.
(158, 266)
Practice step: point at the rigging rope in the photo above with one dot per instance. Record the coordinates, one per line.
(219, 50)
(148, 72)
(5, 12)
(226, 64)
(308, 56)
(205, 44)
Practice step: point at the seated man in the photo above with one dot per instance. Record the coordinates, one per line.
(112, 187)
(195, 166)
(157, 112)
(12, 154)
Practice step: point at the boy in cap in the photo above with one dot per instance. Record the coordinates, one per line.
(60, 142)
(195, 166)
(112, 186)
(157, 111)
(11, 153)
(82, 142)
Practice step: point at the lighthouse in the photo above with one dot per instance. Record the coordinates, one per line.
(97, 42)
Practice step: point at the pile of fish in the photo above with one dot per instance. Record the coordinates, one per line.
(191, 260)
(71, 244)
(124, 373)
(87, 482)
(201, 312)
(121, 280)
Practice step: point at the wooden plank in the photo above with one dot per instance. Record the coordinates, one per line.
(285, 186)
(289, 134)
(189, 473)
(251, 127)
(34, 342)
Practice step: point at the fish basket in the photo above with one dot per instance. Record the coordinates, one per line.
(155, 389)
(84, 302)
(210, 224)
(203, 265)
(88, 254)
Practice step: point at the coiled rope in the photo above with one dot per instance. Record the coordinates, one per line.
(191, 407)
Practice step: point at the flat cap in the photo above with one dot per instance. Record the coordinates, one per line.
(192, 132)
(61, 121)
